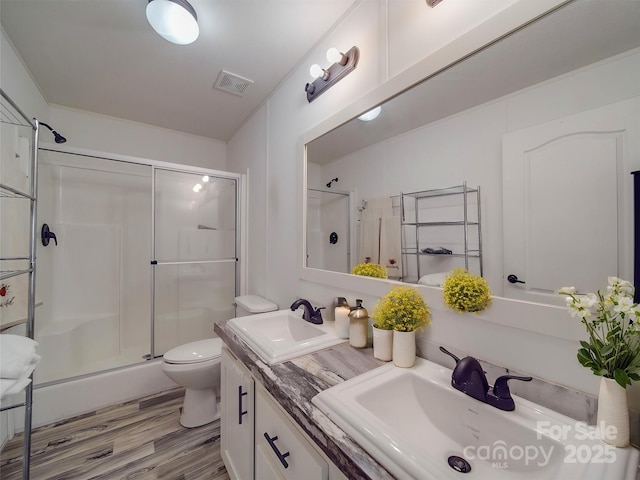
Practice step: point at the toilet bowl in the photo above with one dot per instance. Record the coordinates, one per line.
(196, 367)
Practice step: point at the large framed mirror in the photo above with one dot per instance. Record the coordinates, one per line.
(544, 121)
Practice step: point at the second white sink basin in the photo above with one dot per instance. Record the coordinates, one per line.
(283, 335)
(417, 426)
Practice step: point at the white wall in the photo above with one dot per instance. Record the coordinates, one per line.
(16, 81)
(101, 133)
(540, 340)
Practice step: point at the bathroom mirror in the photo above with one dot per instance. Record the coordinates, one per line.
(562, 87)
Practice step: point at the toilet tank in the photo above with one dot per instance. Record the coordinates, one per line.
(252, 304)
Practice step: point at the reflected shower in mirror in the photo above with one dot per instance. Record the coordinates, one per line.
(329, 227)
(540, 120)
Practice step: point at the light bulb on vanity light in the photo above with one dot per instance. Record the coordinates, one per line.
(336, 56)
(205, 179)
(197, 187)
(316, 71)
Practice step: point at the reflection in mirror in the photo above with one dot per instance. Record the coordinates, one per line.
(543, 122)
(328, 224)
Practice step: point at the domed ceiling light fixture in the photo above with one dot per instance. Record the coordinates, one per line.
(371, 114)
(173, 20)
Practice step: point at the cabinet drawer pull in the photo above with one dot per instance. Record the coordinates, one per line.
(281, 456)
(240, 411)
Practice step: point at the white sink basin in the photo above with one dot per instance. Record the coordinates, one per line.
(283, 335)
(412, 421)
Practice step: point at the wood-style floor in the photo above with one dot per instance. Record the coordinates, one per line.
(140, 440)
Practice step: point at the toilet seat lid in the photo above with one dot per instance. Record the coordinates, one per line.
(194, 352)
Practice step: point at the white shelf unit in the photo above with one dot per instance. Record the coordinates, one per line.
(13, 120)
(452, 212)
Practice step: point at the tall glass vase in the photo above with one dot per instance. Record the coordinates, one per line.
(613, 413)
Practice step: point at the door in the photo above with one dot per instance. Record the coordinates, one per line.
(567, 202)
(194, 255)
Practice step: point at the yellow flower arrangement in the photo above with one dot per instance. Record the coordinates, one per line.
(401, 309)
(370, 270)
(466, 292)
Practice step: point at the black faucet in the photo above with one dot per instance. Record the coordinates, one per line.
(311, 315)
(469, 378)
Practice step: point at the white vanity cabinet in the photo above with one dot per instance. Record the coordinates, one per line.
(282, 452)
(248, 412)
(237, 417)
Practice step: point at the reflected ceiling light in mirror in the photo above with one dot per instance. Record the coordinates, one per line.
(433, 3)
(371, 114)
(343, 64)
(174, 20)
(197, 187)
(205, 179)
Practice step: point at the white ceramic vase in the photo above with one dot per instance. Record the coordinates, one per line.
(382, 344)
(613, 413)
(404, 349)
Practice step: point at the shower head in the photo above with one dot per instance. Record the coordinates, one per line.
(58, 138)
(331, 181)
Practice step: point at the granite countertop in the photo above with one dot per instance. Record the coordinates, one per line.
(295, 382)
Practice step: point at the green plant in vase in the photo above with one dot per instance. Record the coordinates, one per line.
(403, 309)
(373, 270)
(612, 351)
(465, 292)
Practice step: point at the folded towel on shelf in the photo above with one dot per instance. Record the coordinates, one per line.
(12, 386)
(433, 279)
(17, 356)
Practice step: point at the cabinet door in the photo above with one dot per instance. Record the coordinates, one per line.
(237, 418)
(266, 469)
(282, 452)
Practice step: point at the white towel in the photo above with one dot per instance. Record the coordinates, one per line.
(433, 279)
(11, 386)
(390, 251)
(369, 240)
(378, 208)
(17, 356)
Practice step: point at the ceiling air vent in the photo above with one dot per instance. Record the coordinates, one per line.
(232, 83)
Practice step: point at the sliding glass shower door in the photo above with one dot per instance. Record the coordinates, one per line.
(194, 256)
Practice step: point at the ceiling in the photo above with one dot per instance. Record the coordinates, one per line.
(102, 56)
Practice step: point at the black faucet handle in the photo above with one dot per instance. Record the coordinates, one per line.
(501, 387)
(444, 350)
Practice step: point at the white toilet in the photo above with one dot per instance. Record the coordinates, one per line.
(196, 367)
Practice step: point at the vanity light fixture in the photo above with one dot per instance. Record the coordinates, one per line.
(371, 114)
(342, 65)
(433, 3)
(174, 20)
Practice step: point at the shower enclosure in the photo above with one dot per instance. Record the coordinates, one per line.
(328, 230)
(143, 260)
